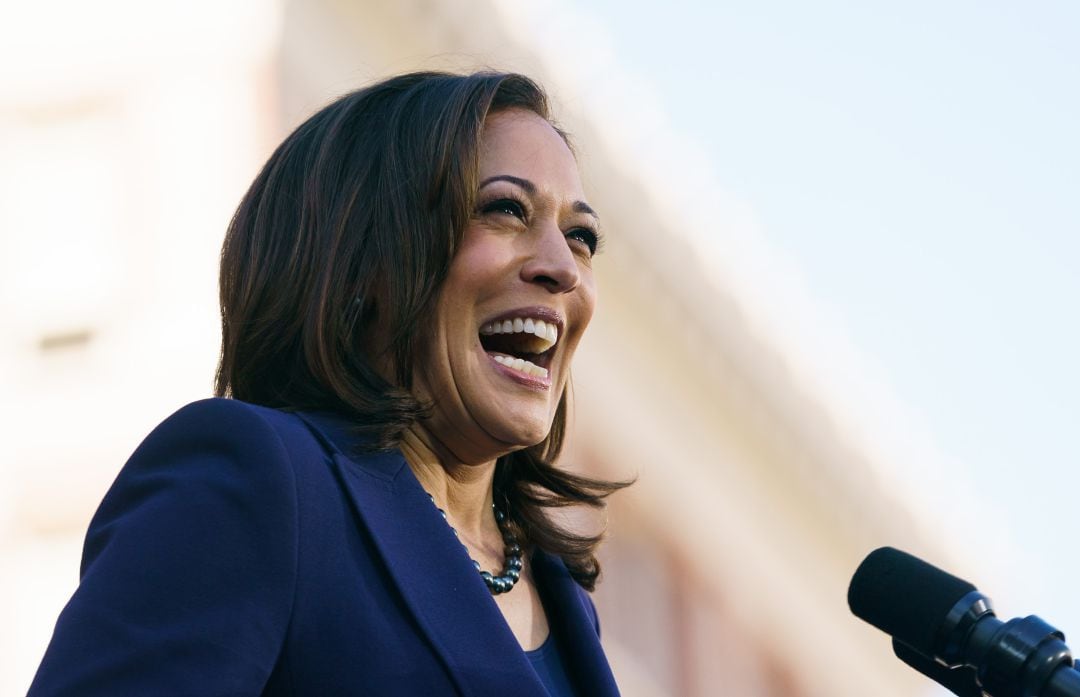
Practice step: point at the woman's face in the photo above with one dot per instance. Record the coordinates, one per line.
(517, 298)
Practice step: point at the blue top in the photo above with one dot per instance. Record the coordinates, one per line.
(548, 663)
(249, 551)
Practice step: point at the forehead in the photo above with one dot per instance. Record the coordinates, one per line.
(522, 144)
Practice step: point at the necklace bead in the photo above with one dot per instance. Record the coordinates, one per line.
(512, 564)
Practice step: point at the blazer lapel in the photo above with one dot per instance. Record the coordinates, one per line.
(573, 619)
(432, 571)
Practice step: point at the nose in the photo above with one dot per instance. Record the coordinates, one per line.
(551, 262)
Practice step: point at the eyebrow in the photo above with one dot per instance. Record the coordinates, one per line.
(530, 189)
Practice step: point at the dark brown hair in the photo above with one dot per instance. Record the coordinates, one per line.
(354, 220)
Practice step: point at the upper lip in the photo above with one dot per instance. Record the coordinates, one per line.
(536, 312)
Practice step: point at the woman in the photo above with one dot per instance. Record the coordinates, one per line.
(402, 291)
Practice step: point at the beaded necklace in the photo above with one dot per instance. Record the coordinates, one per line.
(511, 572)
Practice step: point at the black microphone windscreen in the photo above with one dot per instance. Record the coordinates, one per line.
(904, 596)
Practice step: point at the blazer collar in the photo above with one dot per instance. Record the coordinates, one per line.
(439, 584)
(572, 618)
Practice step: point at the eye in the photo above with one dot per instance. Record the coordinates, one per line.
(584, 236)
(506, 206)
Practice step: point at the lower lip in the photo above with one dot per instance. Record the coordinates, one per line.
(530, 381)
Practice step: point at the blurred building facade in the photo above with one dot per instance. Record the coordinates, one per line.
(122, 153)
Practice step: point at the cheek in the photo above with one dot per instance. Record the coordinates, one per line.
(587, 304)
(481, 250)
(591, 297)
(425, 379)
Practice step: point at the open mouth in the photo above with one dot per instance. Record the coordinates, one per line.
(525, 344)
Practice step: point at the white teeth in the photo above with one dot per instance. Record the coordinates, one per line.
(521, 365)
(547, 331)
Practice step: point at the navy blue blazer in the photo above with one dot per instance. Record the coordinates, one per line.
(248, 551)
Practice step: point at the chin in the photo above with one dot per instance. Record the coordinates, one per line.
(520, 436)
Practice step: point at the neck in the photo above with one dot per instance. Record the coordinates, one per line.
(463, 490)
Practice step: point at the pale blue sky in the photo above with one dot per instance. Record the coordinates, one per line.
(920, 162)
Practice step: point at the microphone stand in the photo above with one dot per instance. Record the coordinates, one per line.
(1024, 657)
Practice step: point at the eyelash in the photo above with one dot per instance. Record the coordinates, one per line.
(508, 205)
(591, 239)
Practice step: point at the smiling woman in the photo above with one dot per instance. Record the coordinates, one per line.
(521, 263)
(364, 509)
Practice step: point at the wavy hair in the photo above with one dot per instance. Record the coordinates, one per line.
(354, 220)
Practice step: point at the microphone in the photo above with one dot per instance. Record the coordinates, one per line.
(946, 629)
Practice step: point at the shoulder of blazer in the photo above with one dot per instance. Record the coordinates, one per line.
(302, 434)
(210, 452)
(166, 603)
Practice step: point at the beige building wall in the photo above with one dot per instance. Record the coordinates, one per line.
(128, 132)
(122, 154)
